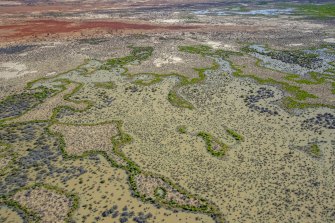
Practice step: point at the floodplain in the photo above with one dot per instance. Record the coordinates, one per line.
(187, 115)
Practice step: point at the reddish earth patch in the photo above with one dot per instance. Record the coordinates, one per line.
(44, 6)
(47, 27)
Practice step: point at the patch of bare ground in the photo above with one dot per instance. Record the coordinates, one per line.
(168, 60)
(80, 139)
(12, 31)
(51, 206)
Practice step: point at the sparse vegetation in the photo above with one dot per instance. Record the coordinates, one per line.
(314, 76)
(318, 11)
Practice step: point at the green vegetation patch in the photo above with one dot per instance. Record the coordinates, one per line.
(106, 85)
(156, 78)
(315, 150)
(318, 11)
(182, 129)
(137, 54)
(178, 101)
(314, 76)
(196, 49)
(295, 90)
(214, 147)
(205, 50)
(291, 103)
(235, 135)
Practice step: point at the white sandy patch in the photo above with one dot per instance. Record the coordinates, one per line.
(167, 60)
(217, 45)
(51, 73)
(170, 21)
(10, 70)
(329, 40)
(9, 3)
(50, 44)
(214, 44)
(295, 44)
(229, 24)
(97, 16)
(230, 47)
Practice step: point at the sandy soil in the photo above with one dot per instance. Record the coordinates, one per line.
(80, 139)
(51, 206)
(13, 70)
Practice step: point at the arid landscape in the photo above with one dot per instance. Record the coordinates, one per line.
(167, 111)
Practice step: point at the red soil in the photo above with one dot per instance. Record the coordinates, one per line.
(46, 27)
(44, 6)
